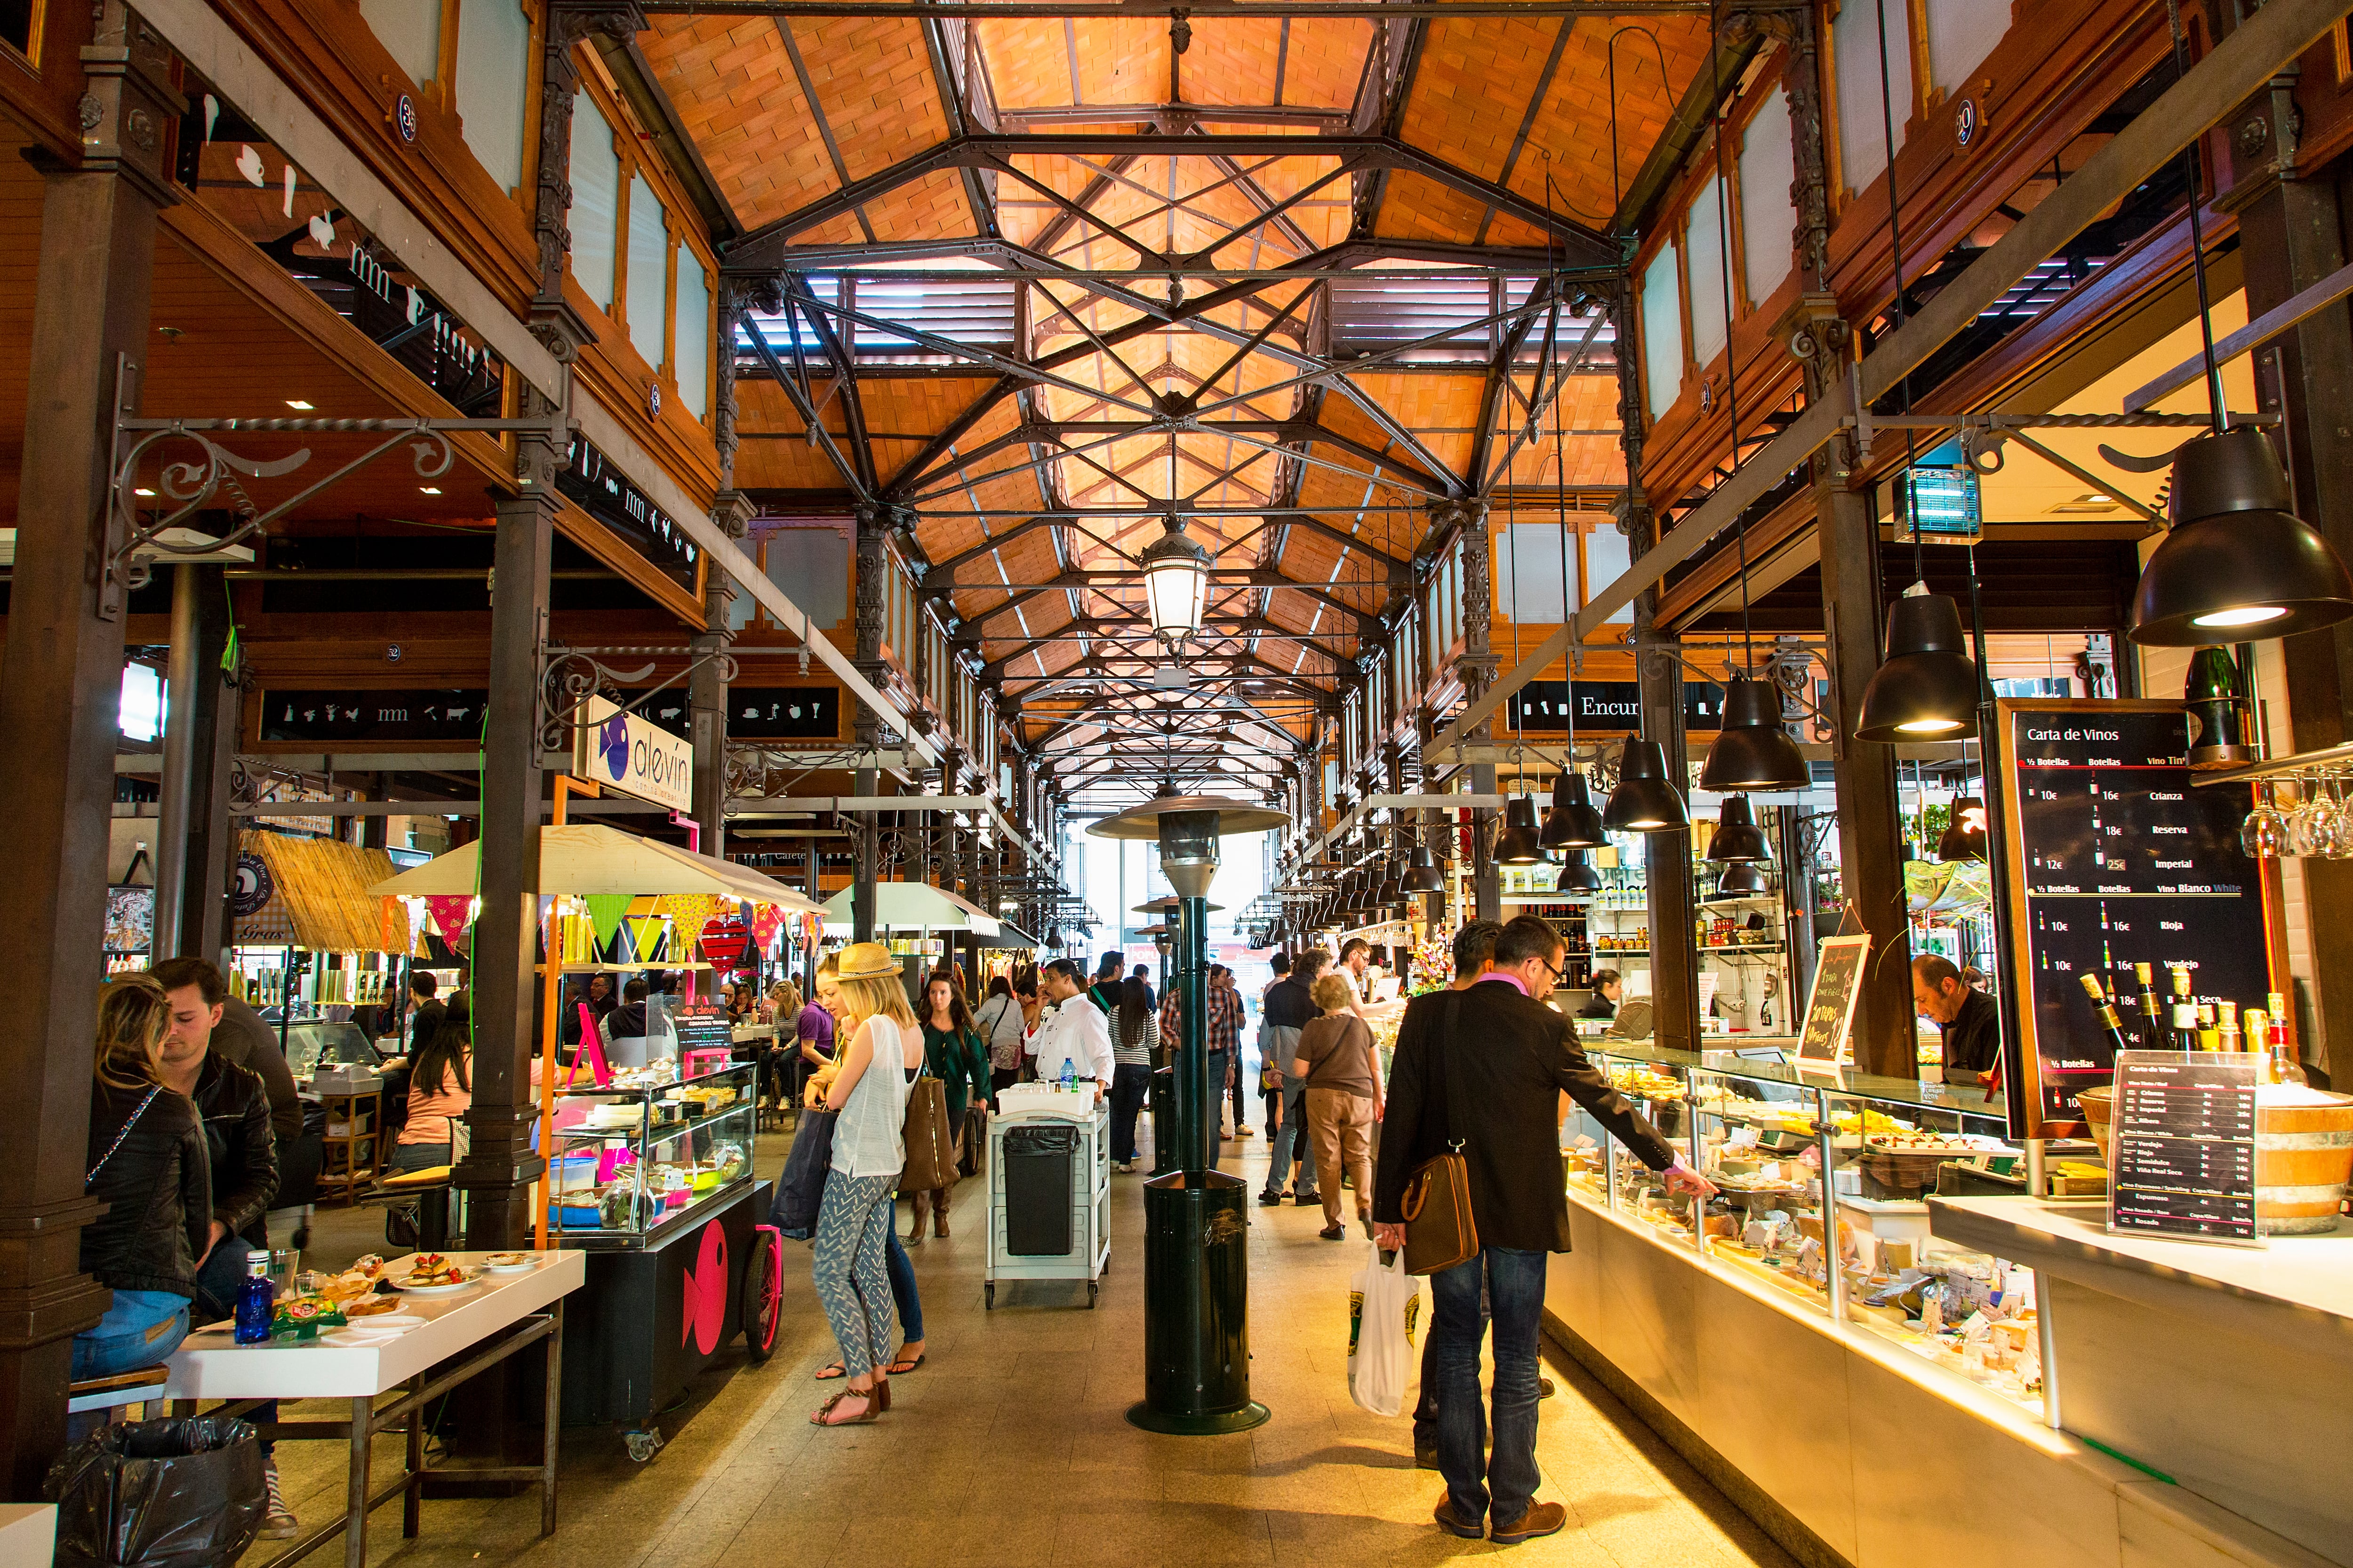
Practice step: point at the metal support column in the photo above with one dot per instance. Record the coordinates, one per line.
(184, 835)
(58, 708)
(1667, 857)
(1871, 854)
(874, 560)
(498, 1173)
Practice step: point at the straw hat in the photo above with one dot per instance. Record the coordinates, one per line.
(866, 960)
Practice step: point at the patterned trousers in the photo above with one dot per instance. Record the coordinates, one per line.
(853, 1227)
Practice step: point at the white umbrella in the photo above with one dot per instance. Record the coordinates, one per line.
(913, 906)
(582, 857)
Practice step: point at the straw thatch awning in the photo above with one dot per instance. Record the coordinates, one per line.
(320, 895)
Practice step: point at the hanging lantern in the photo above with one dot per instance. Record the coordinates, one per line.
(1520, 843)
(1644, 801)
(1577, 874)
(1176, 582)
(2237, 562)
(1737, 837)
(1927, 686)
(1753, 752)
(1572, 823)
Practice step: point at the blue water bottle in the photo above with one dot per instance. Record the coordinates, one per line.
(255, 1300)
(1069, 1076)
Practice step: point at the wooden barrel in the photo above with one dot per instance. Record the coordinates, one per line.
(2304, 1159)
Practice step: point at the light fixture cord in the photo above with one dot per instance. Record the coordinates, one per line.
(2217, 407)
(1895, 265)
(1731, 357)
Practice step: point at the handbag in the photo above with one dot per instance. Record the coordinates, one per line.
(1440, 1229)
(931, 1148)
(800, 1190)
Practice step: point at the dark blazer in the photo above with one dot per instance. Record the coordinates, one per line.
(1513, 1056)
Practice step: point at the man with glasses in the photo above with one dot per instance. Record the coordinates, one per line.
(1508, 1058)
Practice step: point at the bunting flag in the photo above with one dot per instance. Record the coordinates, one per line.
(604, 912)
(392, 924)
(452, 912)
(643, 934)
(415, 908)
(689, 912)
(766, 920)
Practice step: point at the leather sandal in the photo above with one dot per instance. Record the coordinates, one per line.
(873, 1408)
(833, 1373)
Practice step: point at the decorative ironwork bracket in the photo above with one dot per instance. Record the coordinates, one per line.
(569, 676)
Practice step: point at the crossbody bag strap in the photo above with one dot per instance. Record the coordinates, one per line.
(1453, 1077)
(129, 1123)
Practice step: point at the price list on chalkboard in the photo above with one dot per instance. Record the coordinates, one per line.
(2116, 859)
(2182, 1146)
(703, 1028)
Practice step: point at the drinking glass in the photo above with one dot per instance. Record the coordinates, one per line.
(2338, 844)
(2312, 826)
(2263, 835)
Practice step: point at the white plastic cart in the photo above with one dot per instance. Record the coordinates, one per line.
(1049, 1188)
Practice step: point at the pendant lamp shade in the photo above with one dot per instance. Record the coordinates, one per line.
(1743, 881)
(1175, 581)
(1927, 687)
(1964, 837)
(1737, 837)
(1577, 874)
(1572, 823)
(1421, 872)
(1520, 843)
(1753, 752)
(2237, 562)
(1644, 800)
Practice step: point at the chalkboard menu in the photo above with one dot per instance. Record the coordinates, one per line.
(2114, 859)
(702, 1027)
(2182, 1146)
(1829, 1008)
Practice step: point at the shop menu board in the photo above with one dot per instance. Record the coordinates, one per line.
(1829, 1009)
(2114, 859)
(2182, 1160)
(703, 1026)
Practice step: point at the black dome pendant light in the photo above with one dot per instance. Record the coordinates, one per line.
(1926, 688)
(1737, 839)
(1645, 801)
(1577, 874)
(2237, 562)
(1753, 752)
(1572, 823)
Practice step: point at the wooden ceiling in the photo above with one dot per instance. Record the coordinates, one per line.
(1180, 208)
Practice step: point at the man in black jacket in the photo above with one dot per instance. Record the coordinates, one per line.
(235, 1107)
(1488, 1067)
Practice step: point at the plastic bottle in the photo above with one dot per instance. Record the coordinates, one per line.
(254, 1300)
(1069, 1076)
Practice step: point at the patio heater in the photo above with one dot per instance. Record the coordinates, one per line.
(1196, 1265)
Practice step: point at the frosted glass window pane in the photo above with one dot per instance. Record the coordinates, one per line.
(1961, 34)
(596, 201)
(690, 344)
(1854, 46)
(1768, 219)
(1530, 584)
(493, 79)
(648, 282)
(410, 30)
(1662, 331)
(1703, 254)
(1605, 560)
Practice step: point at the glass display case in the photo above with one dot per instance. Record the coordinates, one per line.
(1856, 1248)
(316, 1042)
(649, 1152)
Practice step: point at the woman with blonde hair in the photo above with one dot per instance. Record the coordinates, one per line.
(875, 1069)
(148, 1164)
(1342, 1073)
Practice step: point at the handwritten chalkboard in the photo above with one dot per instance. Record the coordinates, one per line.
(2182, 1146)
(1829, 1007)
(2114, 859)
(703, 1028)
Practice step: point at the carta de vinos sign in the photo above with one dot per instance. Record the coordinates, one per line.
(620, 750)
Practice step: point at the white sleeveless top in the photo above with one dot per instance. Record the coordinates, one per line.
(869, 1138)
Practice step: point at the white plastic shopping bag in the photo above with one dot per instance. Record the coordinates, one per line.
(1384, 1311)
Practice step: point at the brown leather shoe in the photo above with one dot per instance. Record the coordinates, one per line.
(1541, 1519)
(1451, 1522)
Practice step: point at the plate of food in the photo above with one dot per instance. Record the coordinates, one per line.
(431, 1274)
(509, 1263)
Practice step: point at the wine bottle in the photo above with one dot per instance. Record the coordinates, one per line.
(2210, 1033)
(2109, 1019)
(2152, 1022)
(2285, 1066)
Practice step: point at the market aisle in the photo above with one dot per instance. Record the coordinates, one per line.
(1009, 1447)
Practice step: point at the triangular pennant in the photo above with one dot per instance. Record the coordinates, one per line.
(605, 911)
(450, 912)
(643, 934)
(765, 919)
(416, 925)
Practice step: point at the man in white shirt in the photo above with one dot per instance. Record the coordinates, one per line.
(1078, 1032)
(1356, 957)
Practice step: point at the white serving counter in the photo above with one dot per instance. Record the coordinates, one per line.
(1878, 1458)
(2228, 1369)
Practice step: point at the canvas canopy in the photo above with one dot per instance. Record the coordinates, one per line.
(913, 906)
(588, 858)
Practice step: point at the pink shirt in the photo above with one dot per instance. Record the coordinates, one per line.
(1506, 978)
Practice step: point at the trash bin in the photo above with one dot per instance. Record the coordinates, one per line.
(185, 1493)
(1038, 1200)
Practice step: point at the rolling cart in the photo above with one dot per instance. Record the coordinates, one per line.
(1049, 1188)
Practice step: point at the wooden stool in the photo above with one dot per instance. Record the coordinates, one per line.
(119, 1392)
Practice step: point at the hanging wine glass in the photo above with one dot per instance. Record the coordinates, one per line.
(2312, 826)
(2338, 844)
(2263, 835)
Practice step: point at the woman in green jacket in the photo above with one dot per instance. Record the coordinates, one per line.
(956, 1055)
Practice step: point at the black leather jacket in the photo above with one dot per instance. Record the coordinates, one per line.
(157, 1187)
(240, 1145)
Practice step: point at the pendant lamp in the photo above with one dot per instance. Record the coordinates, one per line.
(1572, 823)
(1520, 843)
(1964, 837)
(1753, 752)
(1577, 874)
(2237, 562)
(1644, 801)
(1927, 687)
(1737, 837)
(1421, 872)
(1742, 881)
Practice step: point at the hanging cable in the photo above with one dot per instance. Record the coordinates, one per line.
(1895, 258)
(2217, 406)
(1731, 372)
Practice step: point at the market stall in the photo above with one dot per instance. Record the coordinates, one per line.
(649, 1167)
(309, 933)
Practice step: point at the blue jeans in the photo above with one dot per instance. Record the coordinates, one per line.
(903, 1289)
(142, 1328)
(1507, 1476)
(1130, 1082)
(1291, 1142)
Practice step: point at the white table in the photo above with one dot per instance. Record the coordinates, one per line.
(464, 1333)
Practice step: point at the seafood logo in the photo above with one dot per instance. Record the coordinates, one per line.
(613, 741)
(706, 1291)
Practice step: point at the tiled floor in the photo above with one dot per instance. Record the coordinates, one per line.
(1010, 1446)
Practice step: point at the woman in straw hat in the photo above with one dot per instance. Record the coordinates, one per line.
(882, 1058)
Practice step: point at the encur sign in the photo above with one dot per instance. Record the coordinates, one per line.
(618, 750)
